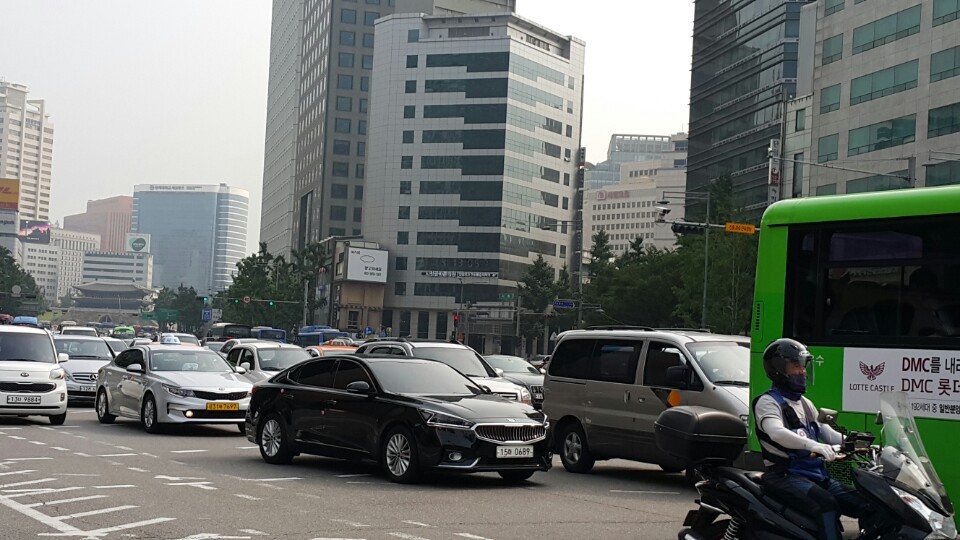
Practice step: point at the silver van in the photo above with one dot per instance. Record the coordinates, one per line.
(605, 388)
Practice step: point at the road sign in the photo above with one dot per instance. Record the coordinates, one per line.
(553, 336)
(741, 228)
(206, 314)
(166, 314)
(148, 316)
(564, 304)
(217, 314)
(246, 299)
(16, 290)
(505, 296)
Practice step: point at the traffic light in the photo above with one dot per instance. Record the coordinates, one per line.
(687, 228)
(203, 299)
(456, 320)
(236, 300)
(270, 303)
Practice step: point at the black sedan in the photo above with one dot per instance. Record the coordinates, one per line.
(407, 414)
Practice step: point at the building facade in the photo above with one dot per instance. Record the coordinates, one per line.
(744, 72)
(198, 232)
(627, 149)
(26, 149)
(118, 268)
(472, 167)
(109, 218)
(42, 261)
(72, 246)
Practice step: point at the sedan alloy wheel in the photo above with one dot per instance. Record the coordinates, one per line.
(273, 442)
(399, 456)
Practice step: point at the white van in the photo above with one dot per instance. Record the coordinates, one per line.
(605, 388)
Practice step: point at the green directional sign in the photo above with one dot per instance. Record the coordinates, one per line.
(166, 314)
(148, 315)
(506, 296)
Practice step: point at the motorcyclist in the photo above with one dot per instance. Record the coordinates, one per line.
(795, 446)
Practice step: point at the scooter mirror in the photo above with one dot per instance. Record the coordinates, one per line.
(828, 417)
(879, 419)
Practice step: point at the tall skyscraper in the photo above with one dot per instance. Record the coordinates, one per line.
(198, 232)
(110, 218)
(626, 149)
(26, 149)
(318, 102)
(72, 245)
(744, 72)
(472, 167)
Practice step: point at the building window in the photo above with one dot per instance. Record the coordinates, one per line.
(357, 215)
(407, 137)
(405, 187)
(370, 16)
(943, 121)
(366, 61)
(943, 174)
(345, 60)
(348, 16)
(361, 171)
(341, 148)
(364, 84)
(400, 263)
(341, 170)
(403, 238)
(368, 41)
(362, 127)
(830, 99)
(345, 82)
(344, 104)
(884, 82)
(441, 325)
(361, 149)
(406, 162)
(338, 213)
(828, 148)
(945, 64)
(403, 212)
(413, 36)
(886, 30)
(400, 289)
(338, 191)
(800, 120)
(348, 38)
(832, 6)
(409, 111)
(423, 325)
(832, 50)
(363, 105)
(410, 87)
(358, 193)
(798, 175)
(412, 60)
(882, 135)
(342, 125)
(945, 11)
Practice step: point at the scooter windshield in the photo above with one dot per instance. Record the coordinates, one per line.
(903, 458)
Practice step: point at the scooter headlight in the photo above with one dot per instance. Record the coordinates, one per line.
(943, 527)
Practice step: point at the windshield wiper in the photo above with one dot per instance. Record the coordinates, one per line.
(20, 360)
(732, 383)
(269, 369)
(88, 356)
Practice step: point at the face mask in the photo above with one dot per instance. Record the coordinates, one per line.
(797, 383)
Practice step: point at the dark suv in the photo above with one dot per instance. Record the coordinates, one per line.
(456, 355)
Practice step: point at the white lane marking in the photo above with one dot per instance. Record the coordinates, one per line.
(115, 455)
(325, 538)
(46, 428)
(310, 495)
(100, 511)
(38, 443)
(359, 482)
(177, 478)
(247, 447)
(645, 492)
(75, 474)
(253, 532)
(127, 448)
(60, 448)
(271, 486)
(118, 486)
(81, 454)
(17, 438)
(200, 485)
(351, 475)
(28, 471)
(137, 469)
(212, 536)
(27, 458)
(51, 522)
(38, 491)
(406, 536)
(28, 482)
(417, 523)
(80, 436)
(65, 501)
(107, 530)
(248, 497)
(68, 427)
(186, 451)
(9, 428)
(175, 462)
(350, 523)
(273, 479)
(471, 536)
(148, 455)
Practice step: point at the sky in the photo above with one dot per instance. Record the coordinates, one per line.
(175, 91)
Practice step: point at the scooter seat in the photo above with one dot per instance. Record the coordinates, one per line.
(754, 476)
(747, 480)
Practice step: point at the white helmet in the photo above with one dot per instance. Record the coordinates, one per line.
(169, 340)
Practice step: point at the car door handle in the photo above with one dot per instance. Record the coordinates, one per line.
(626, 396)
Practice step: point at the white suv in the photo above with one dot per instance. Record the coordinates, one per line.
(32, 383)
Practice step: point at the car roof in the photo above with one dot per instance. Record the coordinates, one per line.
(23, 330)
(270, 345)
(419, 343)
(380, 358)
(683, 335)
(77, 337)
(156, 347)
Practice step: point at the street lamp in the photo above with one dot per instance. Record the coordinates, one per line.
(577, 226)
(697, 196)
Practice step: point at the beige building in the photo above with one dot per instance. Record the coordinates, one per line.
(72, 245)
(26, 149)
(42, 261)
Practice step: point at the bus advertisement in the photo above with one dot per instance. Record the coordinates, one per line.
(871, 284)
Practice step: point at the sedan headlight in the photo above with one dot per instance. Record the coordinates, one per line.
(943, 527)
(57, 374)
(177, 391)
(525, 396)
(437, 419)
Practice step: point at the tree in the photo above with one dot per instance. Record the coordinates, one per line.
(184, 301)
(537, 289)
(10, 275)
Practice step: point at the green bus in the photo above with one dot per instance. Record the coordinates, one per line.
(871, 283)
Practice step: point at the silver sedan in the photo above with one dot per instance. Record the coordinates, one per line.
(264, 359)
(172, 384)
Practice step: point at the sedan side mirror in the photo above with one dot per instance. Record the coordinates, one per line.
(677, 377)
(498, 371)
(244, 366)
(241, 370)
(62, 357)
(135, 368)
(543, 371)
(360, 387)
(486, 389)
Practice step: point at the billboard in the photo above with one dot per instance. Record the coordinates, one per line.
(366, 265)
(9, 193)
(35, 232)
(138, 242)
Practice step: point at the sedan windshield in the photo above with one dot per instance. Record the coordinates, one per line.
(723, 362)
(188, 338)
(279, 359)
(116, 345)
(511, 364)
(26, 347)
(95, 349)
(189, 360)
(422, 378)
(463, 360)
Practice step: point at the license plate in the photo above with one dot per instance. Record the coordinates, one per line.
(538, 397)
(514, 451)
(223, 406)
(88, 388)
(30, 400)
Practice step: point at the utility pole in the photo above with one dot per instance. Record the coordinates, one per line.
(306, 284)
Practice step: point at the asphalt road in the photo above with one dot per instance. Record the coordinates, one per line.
(86, 480)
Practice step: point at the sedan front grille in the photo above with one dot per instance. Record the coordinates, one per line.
(509, 433)
(215, 396)
(512, 396)
(26, 387)
(84, 377)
